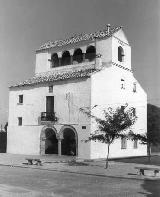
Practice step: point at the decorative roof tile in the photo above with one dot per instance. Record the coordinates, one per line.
(57, 76)
(78, 38)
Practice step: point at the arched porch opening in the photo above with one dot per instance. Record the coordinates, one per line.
(54, 60)
(48, 141)
(69, 144)
(90, 53)
(78, 55)
(66, 58)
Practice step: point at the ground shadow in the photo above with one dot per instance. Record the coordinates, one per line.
(152, 188)
(74, 163)
(155, 160)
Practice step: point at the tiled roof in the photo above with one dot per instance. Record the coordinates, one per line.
(57, 76)
(78, 38)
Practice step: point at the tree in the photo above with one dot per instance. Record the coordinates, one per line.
(112, 126)
(153, 125)
(152, 136)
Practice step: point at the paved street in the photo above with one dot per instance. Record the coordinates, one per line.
(42, 183)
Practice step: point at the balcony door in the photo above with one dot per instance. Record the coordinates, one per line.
(50, 104)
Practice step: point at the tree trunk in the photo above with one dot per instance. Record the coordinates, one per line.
(149, 152)
(107, 157)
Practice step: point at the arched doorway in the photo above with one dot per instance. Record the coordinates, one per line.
(69, 145)
(51, 143)
(48, 141)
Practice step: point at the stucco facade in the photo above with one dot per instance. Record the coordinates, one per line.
(99, 75)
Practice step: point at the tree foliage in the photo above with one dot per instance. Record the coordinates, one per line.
(152, 136)
(153, 124)
(112, 126)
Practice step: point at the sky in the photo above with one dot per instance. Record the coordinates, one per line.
(27, 24)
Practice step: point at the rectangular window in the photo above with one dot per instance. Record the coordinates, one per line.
(19, 121)
(50, 89)
(134, 87)
(21, 98)
(135, 144)
(50, 104)
(123, 143)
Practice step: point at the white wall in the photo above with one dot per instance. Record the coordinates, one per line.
(34, 102)
(106, 92)
(99, 150)
(104, 47)
(23, 140)
(26, 139)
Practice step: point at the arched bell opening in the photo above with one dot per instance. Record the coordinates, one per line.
(120, 54)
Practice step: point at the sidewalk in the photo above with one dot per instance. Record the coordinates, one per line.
(94, 168)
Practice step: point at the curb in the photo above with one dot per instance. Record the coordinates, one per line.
(84, 173)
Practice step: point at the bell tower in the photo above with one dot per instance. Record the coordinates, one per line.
(121, 50)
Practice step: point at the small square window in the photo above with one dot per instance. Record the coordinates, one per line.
(21, 98)
(50, 89)
(135, 144)
(19, 121)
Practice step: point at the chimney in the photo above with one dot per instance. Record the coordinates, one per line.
(108, 28)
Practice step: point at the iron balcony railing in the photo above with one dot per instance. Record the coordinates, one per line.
(48, 116)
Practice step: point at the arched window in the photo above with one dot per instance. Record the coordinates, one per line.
(54, 60)
(90, 53)
(66, 58)
(78, 55)
(120, 54)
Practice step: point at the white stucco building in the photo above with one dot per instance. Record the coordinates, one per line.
(82, 71)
